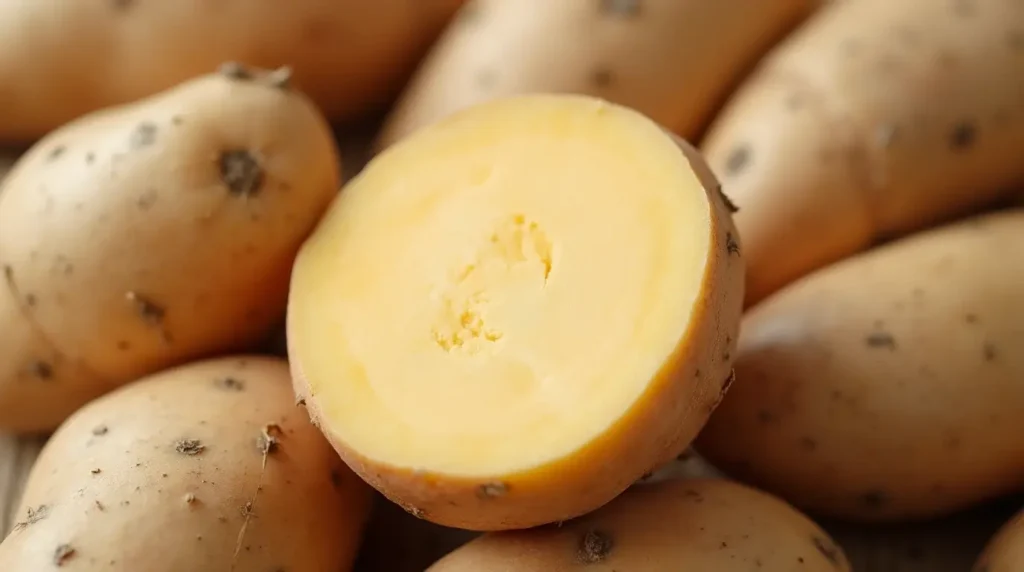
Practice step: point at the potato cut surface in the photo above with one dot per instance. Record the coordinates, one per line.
(503, 289)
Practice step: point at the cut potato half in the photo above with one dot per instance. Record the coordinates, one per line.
(512, 315)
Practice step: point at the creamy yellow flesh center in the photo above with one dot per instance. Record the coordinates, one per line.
(493, 294)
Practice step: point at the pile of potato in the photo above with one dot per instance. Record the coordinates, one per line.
(595, 240)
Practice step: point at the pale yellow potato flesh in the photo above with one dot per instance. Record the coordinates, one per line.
(704, 525)
(1005, 551)
(515, 289)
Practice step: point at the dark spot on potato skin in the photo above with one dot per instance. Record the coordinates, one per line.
(189, 447)
(41, 370)
(602, 77)
(738, 160)
(230, 383)
(765, 417)
(269, 439)
(241, 172)
(148, 310)
(122, 5)
(33, 516)
(971, 318)
(880, 340)
(143, 135)
(962, 136)
(729, 205)
(56, 153)
(827, 549)
(594, 547)
(731, 246)
(100, 430)
(989, 352)
(90, 157)
(63, 554)
(621, 8)
(235, 71)
(874, 500)
(124, 345)
(808, 444)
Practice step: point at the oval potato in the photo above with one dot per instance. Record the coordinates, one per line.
(673, 60)
(703, 524)
(206, 467)
(874, 119)
(511, 316)
(60, 59)
(887, 386)
(148, 235)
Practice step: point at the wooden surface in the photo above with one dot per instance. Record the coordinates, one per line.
(397, 542)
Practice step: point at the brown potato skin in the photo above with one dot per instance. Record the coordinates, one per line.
(127, 247)
(887, 386)
(119, 488)
(703, 524)
(673, 60)
(660, 425)
(349, 55)
(1005, 552)
(876, 118)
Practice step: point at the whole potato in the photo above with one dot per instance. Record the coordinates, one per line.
(874, 119)
(701, 525)
(672, 60)
(60, 59)
(151, 234)
(206, 467)
(887, 386)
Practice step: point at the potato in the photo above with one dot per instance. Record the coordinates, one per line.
(875, 119)
(152, 234)
(677, 525)
(60, 59)
(1005, 552)
(673, 60)
(512, 315)
(886, 386)
(208, 466)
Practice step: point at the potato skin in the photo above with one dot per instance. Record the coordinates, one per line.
(659, 426)
(703, 524)
(349, 55)
(1005, 551)
(149, 235)
(673, 60)
(175, 473)
(876, 118)
(886, 386)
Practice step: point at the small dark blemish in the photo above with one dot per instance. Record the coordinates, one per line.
(124, 345)
(731, 245)
(150, 312)
(602, 77)
(492, 490)
(766, 417)
(146, 199)
(336, 479)
(971, 318)
(90, 157)
(56, 152)
(176, 120)
(100, 430)
(234, 70)
(230, 383)
(62, 554)
(827, 549)
(241, 172)
(621, 8)
(30, 300)
(144, 135)
(33, 516)
(727, 384)
(96, 471)
(190, 447)
(686, 455)
(738, 160)
(41, 369)
(122, 5)
(880, 340)
(808, 444)
(874, 500)
(989, 352)
(594, 547)
(269, 439)
(962, 136)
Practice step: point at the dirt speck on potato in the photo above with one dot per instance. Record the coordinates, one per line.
(148, 310)
(143, 135)
(189, 447)
(234, 70)
(33, 516)
(269, 439)
(230, 383)
(241, 172)
(63, 554)
(827, 549)
(56, 153)
(594, 547)
(492, 490)
(96, 471)
(738, 160)
(874, 500)
(190, 499)
(962, 136)
(989, 352)
(621, 8)
(731, 245)
(41, 369)
(880, 340)
(602, 77)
